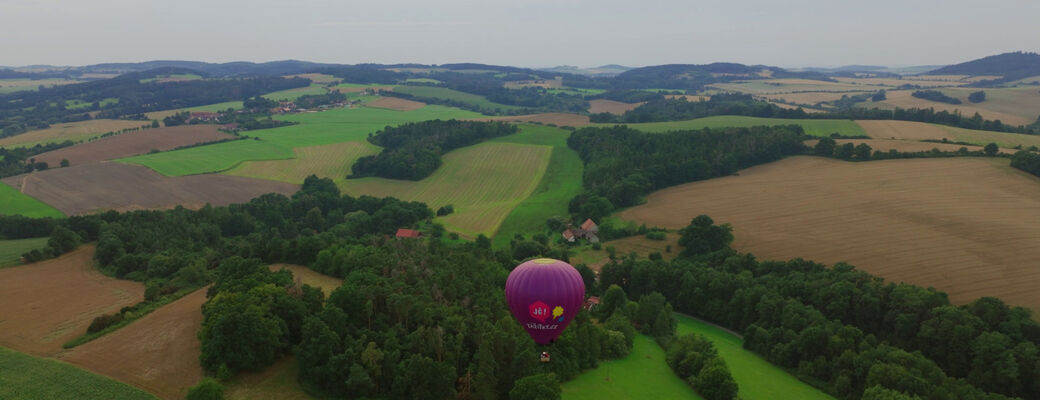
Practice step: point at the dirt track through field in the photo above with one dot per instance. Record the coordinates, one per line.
(610, 106)
(51, 302)
(158, 353)
(967, 226)
(558, 119)
(116, 186)
(394, 103)
(134, 143)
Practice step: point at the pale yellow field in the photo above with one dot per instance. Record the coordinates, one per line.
(74, 131)
(909, 130)
(967, 226)
(326, 161)
(483, 182)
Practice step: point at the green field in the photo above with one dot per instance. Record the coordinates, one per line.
(756, 377)
(561, 182)
(314, 129)
(295, 93)
(211, 158)
(13, 202)
(643, 374)
(814, 127)
(325, 161)
(11, 250)
(454, 95)
(26, 377)
(484, 183)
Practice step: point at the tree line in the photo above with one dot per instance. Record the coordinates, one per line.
(623, 164)
(935, 95)
(413, 151)
(843, 330)
(20, 160)
(1027, 161)
(681, 109)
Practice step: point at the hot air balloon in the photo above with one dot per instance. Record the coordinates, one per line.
(544, 295)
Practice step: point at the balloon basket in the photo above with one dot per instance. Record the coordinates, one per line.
(544, 357)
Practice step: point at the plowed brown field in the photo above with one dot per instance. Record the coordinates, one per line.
(967, 226)
(158, 353)
(610, 106)
(394, 103)
(81, 130)
(116, 186)
(558, 119)
(49, 303)
(132, 144)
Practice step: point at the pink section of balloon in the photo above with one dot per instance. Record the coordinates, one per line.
(544, 295)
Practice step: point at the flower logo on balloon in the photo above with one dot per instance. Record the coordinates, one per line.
(558, 314)
(539, 311)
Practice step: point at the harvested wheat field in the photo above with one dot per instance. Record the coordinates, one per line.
(74, 131)
(909, 130)
(558, 119)
(51, 302)
(158, 353)
(906, 146)
(326, 161)
(115, 186)
(610, 106)
(394, 103)
(967, 226)
(134, 143)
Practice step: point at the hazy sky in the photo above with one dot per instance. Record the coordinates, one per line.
(530, 33)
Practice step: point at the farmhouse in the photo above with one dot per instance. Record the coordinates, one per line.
(587, 231)
(203, 116)
(408, 233)
(590, 303)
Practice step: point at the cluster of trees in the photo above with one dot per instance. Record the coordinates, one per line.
(22, 227)
(413, 151)
(977, 97)
(25, 110)
(623, 164)
(680, 109)
(935, 95)
(696, 361)
(827, 147)
(20, 160)
(847, 331)
(1027, 161)
(315, 100)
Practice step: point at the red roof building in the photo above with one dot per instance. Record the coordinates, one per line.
(568, 235)
(408, 233)
(592, 301)
(590, 226)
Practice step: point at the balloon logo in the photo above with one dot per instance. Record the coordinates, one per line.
(544, 295)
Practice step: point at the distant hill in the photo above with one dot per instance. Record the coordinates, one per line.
(601, 71)
(1011, 66)
(694, 77)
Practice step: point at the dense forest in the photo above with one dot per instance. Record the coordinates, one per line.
(681, 109)
(695, 77)
(623, 164)
(1008, 66)
(125, 96)
(1027, 161)
(413, 319)
(413, 151)
(845, 330)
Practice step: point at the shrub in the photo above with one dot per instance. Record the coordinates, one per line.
(208, 389)
(104, 321)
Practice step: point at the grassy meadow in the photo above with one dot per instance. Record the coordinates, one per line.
(13, 202)
(814, 127)
(11, 250)
(756, 377)
(27, 377)
(295, 93)
(211, 158)
(328, 161)
(561, 182)
(643, 374)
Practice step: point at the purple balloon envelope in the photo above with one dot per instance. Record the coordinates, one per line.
(544, 295)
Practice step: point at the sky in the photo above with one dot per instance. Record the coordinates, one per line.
(528, 33)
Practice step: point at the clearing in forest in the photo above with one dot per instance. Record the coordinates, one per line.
(966, 226)
(51, 302)
(122, 187)
(483, 182)
(642, 374)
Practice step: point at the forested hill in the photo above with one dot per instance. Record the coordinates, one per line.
(1011, 66)
(688, 76)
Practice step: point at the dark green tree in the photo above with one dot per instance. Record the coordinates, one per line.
(536, 387)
